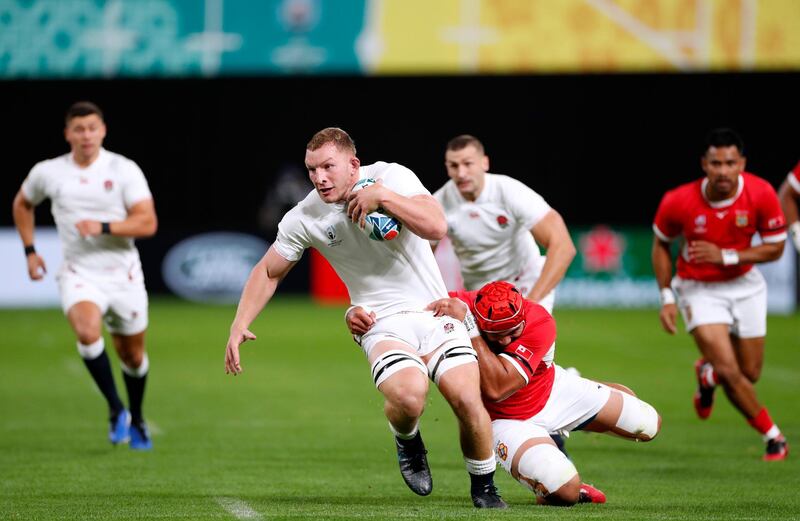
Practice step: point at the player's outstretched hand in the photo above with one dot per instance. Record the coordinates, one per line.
(669, 316)
(452, 307)
(36, 267)
(358, 320)
(232, 363)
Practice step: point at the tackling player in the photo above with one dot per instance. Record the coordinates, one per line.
(496, 223)
(100, 202)
(721, 295)
(529, 397)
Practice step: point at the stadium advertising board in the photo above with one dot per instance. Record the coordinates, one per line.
(178, 38)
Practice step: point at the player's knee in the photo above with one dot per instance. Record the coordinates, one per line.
(87, 333)
(567, 495)
(638, 418)
(410, 405)
(728, 374)
(752, 373)
(548, 473)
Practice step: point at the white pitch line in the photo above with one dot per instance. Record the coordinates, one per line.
(238, 508)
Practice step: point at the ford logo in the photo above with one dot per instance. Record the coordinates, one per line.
(212, 267)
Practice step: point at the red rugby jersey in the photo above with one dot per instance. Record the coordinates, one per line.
(794, 177)
(525, 353)
(731, 223)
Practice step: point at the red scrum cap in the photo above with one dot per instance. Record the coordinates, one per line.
(498, 307)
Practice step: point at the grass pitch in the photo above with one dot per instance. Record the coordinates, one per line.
(301, 433)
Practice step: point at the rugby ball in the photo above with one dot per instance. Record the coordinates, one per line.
(377, 226)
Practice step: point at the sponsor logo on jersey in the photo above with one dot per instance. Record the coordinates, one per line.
(449, 327)
(330, 231)
(700, 224)
(524, 352)
(741, 218)
(721, 215)
(502, 220)
(108, 185)
(502, 451)
(775, 222)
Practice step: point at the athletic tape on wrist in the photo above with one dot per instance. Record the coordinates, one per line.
(471, 325)
(667, 296)
(730, 257)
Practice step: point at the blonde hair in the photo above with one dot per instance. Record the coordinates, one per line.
(340, 139)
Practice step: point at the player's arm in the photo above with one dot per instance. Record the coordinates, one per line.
(552, 234)
(788, 196)
(422, 214)
(24, 219)
(499, 378)
(704, 251)
(141, 222)
(662, 267)
(258, 290)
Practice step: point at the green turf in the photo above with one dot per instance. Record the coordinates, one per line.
(301, 434)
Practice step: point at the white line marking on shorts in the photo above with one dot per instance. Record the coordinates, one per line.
(238, 508)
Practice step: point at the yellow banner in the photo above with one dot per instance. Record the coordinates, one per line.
(518, 36)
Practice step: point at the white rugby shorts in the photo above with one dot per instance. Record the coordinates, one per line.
(420, 330)
(122, 300)
(741, 303)
(573, 401)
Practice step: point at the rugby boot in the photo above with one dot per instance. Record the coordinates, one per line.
(414, 464)
(140, 437)
(777, 449)
(704, 396)
(119, 430)
(589, 494)
(486, 496)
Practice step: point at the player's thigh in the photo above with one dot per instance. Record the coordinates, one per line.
(397, 371)
(128, 307)
(749, 304)
(702, 304)
(626, 416)
(86, 320)
(574, 401)
(715, 344)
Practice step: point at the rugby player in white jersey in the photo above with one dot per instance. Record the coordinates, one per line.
(100, 203)
(396, 280)
(495, 223)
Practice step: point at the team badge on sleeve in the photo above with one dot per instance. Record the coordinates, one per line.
(524, 352)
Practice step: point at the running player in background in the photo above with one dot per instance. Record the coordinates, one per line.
(495, 223)
(789, 194)
(100, 202)
(721, 295)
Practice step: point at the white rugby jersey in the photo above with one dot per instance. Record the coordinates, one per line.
(491, 235)
(103, 191)
(385, 276)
